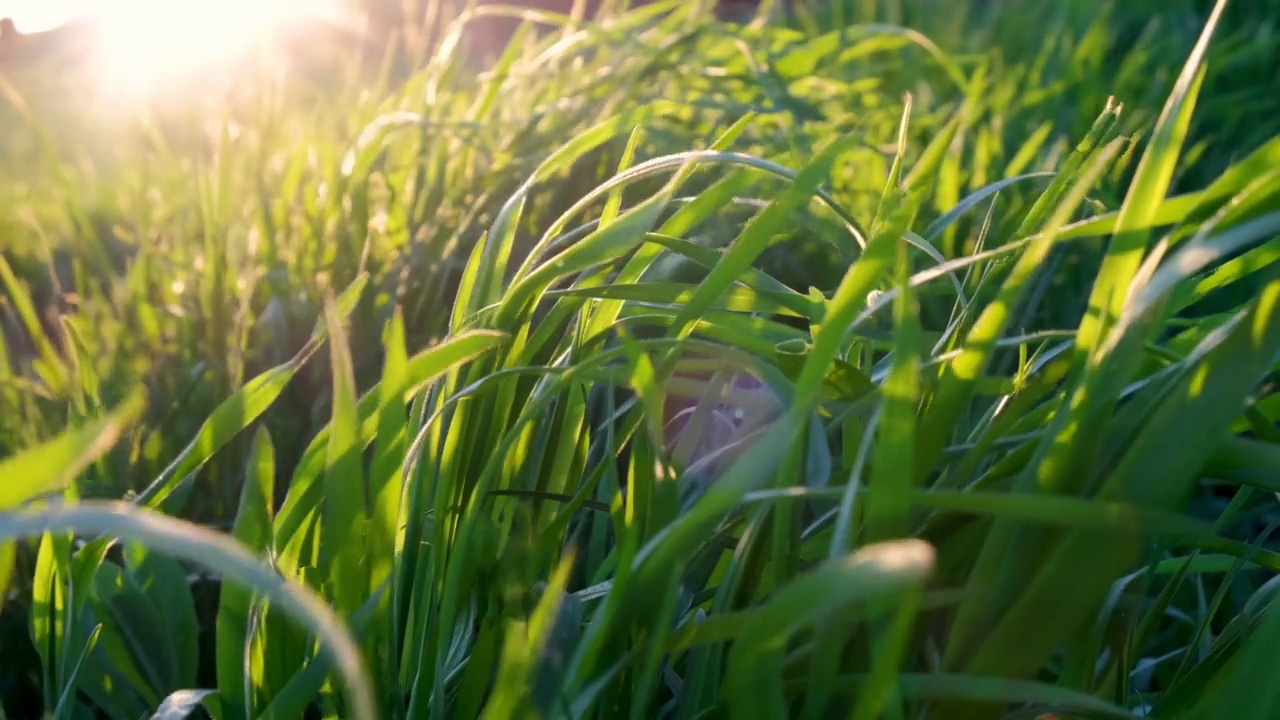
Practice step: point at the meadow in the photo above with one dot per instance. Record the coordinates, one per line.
(874, 359)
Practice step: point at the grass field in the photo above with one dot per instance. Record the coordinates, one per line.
(887, 359)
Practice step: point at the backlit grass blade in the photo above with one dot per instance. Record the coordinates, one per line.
(233, 415)
(344, 509)
(215, 551)
(1158, 468)
(239, 411)
(306, 679)
(684, 218)
(1148, 189)
(54, 367)
(388, 456)
(1060, 464)
(958, 377)
(252, 528)
(893, 475)
(974, 199)
(803, 59)
(1197, 254)
(756, 236)
(491, 257)
(605, 244)
(614, 203)
(305, 488)
(848, 241)
(7, 554)
(851, 297)
(51, 466)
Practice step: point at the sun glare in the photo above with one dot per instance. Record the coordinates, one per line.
(149, 42)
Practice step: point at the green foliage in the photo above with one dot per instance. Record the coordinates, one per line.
(878, 361)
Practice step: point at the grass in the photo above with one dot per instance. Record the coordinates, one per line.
(886, 360)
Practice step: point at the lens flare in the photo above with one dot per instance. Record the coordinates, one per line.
(147, 43)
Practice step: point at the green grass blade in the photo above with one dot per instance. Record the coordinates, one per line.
(1149, 188)
(217, 552)
(959, 376)
(252, 528)
(893, 477)
(50, 467)
(239, 411)
(1249, 694)
(66, 706)
(1159, 468)
(757, 235)
(344, 510)
(56, 370)
(879, 570)
(388, 456)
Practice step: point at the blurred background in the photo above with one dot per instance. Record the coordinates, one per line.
(180, 180)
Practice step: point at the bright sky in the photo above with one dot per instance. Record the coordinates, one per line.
(36, 15)
(146, 39)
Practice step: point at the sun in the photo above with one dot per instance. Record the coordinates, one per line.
(147, 42)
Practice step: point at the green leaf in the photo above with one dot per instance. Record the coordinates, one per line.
(172, 630)
(217, 552)
(388, 456)
(306, 489)
(51, 466)
(240, 410)
(488, 265)
(344, 510)
(298, 693)
(1159, 468)
(804, 59)
(528, 643)
(7, 555)
(1103, 364)
(1251, 694)
(603, 245)
(947, 686)
(881, 570)
(893, 476)
(614, 203)
(958, 378)
(252, 527)
(757, 235)
(127, 652)
(67, 700)
(55, 370)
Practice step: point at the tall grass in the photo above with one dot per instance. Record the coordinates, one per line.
(668, 369)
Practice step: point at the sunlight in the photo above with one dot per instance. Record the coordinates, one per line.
(144, 42)
(150, 40)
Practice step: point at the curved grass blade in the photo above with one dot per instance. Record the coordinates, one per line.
(240, 410)
(881, 570)
(217, 552)
(1160, 467)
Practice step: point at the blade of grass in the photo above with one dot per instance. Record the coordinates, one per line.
(215, 551)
